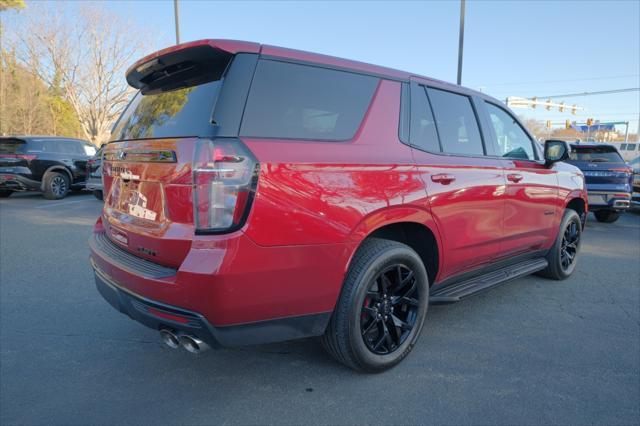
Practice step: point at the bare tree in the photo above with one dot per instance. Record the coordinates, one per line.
(85, 52)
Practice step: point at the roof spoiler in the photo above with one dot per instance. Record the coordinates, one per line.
(185, 65)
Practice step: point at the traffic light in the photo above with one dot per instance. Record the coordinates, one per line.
(567, 124)
(589, 122)
(548, 105)
(548, 124)
(561, 107)
(574, 108)
(533, 102)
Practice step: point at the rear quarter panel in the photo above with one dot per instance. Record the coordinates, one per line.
(321, 192)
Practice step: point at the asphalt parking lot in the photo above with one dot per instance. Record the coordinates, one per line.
(530, 352)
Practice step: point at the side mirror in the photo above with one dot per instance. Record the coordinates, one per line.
(556, 150)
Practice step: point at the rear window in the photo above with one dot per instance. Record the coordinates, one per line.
(12, 146)
(182, 112)
(595, 154)
(292, 101)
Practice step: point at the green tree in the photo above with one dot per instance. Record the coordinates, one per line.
(11, 4)
(155, 110)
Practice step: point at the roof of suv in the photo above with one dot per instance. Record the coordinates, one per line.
(237, 46)
(35, 137)
(591, 145)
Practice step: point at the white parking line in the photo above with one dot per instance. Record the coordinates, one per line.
(65, 203)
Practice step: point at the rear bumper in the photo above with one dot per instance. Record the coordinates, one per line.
(600, 200)
(16, 182)
(93, 184)
(245, 294)
(160, 316)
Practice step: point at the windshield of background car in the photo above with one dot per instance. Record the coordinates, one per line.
(597, 154)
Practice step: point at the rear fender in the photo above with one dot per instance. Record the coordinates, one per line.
(392, 215)
(56, 169)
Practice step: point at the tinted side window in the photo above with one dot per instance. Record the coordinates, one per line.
(512, 141)
(423, 132)
(305, 102)
(456, 121)
(70, 147)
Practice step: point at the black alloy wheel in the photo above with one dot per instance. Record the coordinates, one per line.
(569, 246)
(59, 186)
(390, 309)
(381, 309)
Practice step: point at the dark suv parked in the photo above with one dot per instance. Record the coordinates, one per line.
(39, 163)
(255, 194)
(609, 179)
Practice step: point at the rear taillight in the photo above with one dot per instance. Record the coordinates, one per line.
(27, 157)
(225, 175)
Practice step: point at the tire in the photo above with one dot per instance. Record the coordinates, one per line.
(606, 216)
(558, 269)
(98, 194)
(4, 193)
(360, 318)
(56, 185)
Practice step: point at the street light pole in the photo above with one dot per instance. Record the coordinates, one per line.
(461, 41)
(177, 17)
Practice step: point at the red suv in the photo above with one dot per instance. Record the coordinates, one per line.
(257, 194)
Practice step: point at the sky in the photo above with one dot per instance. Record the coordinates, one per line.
(512, 48)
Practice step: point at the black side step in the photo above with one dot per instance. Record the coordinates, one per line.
(458, 291)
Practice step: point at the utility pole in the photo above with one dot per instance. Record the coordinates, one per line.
(177, 17)
(461, 42)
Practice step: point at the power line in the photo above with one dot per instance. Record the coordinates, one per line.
(602, 92)
(562, 81)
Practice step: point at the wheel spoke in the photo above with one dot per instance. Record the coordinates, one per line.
(397, 322)
(380, 341)
(404, 297)
(387, 336)
(370, 327)
(384, 283)
(370, 311)
(408, 278)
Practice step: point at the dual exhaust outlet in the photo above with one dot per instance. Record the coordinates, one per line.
(188, 342)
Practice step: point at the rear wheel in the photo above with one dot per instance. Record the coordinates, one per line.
(563, 256)
(606, 216)
(56, 186)
(381, 309)
(98, 194)
(4, 193)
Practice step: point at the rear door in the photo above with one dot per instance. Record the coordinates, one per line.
(465, 188)
(190, 95)
(531, 196)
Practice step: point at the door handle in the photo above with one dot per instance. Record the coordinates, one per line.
(514, 177)
(443, 178)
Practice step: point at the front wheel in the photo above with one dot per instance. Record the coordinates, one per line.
(98, 194)
(4, 193)
(563, 256)
(606, 216)
(381, 309)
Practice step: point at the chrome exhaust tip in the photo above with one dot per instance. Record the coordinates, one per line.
(192, 343)
(169, 338)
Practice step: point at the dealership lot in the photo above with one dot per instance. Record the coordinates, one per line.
(531, 352)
